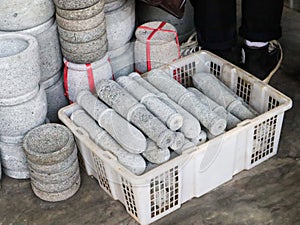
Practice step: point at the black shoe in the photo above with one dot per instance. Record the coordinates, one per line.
(262, 62)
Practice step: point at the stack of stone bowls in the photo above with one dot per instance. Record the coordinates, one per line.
(23, 103)
(156, 45)
(37, 18)
(52, 158)
(184, 26)
(120, 25)
(83, 39)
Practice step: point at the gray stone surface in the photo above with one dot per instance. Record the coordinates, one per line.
(187, 145)
(13, 159)
(98, 44)
(184, 26)
(20, 70)
(48, 144)
(191, 126)
(178, 142)
(81, 14)
(122, 60)
(125, 104)
(231, 120)
(84, 58)
(56, 98)
(82, 36)
(187, 100)
(170, 117)
(217, 91)
(80, 25)
(133, 162)
(17, 16)
(16, 120)
(120, 25)
(163, 46)
(73, 5)
(111, 5)
(154, 154)
(128, 136)
(77, 75)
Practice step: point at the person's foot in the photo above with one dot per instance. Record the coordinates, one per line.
(262, 62)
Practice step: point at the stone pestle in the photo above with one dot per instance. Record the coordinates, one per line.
(128, 136)
(166, 114)
(217, 91)
(154, 154)
(209, 119)
(231, 120)
(127, 106)
(191, 127)
(133, 162)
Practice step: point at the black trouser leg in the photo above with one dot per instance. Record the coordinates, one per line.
(261, 19)
(215, 22)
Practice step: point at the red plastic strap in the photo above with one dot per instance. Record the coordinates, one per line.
(154, 30)
(66, 79)
(91, 78)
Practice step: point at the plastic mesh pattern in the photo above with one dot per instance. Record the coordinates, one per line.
(273, 103)
(215, 69)
(102, 178)
(244, 89)
(184, 74)
(263, 139)
(129, 197)
(164, 192)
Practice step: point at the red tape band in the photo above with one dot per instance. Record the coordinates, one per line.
(91, 78)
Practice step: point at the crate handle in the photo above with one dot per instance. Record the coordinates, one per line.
(244, 123)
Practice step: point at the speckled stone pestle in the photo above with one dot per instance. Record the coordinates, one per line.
(154, 154)
(231, 120)
(128, 136)
(190, 126)
(126, 105)
(217, 91)
(166, 114)
(133, 162)
(187, 100)
(187, 145)
(202, 138)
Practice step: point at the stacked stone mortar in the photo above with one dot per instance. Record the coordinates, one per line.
(82, 30)
(127, 106)
(77, 77)
(221, 94)
(23, 103)
(231, 120)
(50, 148)
(163, 46)
(184, 26)
(120, 26)
(37, 18)
(170, 117)
(128, 136)
(133, 162)
(209, 119)
(191, 127)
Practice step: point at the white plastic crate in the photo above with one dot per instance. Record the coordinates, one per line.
(163, 189)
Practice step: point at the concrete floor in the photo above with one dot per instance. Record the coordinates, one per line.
(267, 194)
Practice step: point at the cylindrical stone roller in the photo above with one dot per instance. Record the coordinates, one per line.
(217, 91)
(154, 154)
(133, 162)
(187, 100)
(178, 141)
(231, 120)
(187, 145)
(200, 139)
(167, 115)
(125, 104)
(128, 136)
(190, 125)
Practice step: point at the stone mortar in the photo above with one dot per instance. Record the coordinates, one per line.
(81, 14)
(17, 120)
(82, 36)
(16, 16)
(112, 5)
(20, 65)
(80, 25)
(74, 4)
